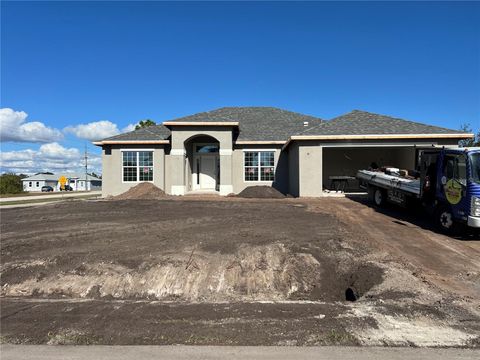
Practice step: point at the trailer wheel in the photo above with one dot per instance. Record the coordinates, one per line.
(445, 220)
(379, 197)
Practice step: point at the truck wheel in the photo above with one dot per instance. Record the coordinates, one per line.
(379, 197)
(445, 220)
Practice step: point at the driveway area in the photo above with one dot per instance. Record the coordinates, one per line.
(230, 271)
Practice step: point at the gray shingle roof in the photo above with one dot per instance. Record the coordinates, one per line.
(258, 123)
(158, 132)
(273, 124)
(365, 123)
(255, 124)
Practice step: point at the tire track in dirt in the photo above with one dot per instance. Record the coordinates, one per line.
(440, 258)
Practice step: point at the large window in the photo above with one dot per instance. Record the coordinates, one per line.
(259, 165)
(137, 166)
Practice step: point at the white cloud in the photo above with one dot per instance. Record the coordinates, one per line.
(94, 131)
(129, 127)
(51, 157)
(57, 151)
(97, 130)
(13, 127)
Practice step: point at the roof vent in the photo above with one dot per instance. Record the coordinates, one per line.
(305, 123)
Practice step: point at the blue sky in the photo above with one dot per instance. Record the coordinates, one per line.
(67, 64)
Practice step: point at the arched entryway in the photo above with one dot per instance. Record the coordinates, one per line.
(203, 163)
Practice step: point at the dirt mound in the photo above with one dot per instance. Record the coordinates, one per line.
(269, 272)
(261, 192)
(142, 191)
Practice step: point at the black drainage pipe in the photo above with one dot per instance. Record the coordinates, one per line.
(351, 294)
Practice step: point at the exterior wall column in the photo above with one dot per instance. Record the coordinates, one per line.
(310, 162)
(226, 183)
(159, 168)
(177, 171)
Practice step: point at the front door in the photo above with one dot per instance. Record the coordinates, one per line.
(208, 172)
(205, 174)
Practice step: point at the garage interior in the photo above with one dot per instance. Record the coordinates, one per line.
(346, 161)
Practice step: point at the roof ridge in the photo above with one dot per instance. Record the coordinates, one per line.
(322, 124)
(392, 118)
(148, 130)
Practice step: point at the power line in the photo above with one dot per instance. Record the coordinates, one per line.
(86, 167)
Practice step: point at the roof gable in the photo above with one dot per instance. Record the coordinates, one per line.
(255, 124)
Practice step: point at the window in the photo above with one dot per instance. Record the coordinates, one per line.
(137, 166)
(455, 167)
(206, 148)
(145, 162)
(37, 184)
(29, 184)
(259, 165)
(475, 161)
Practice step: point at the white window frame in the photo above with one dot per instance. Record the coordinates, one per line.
(137, 166)
(259, 166)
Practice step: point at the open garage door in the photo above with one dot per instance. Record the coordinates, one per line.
(344, 162)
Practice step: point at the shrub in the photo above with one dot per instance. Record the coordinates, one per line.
(10, 184)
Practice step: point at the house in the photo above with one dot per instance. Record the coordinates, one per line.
(36, 182)
(76, 181)
(229, 149)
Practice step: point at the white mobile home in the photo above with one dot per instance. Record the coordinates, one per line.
(78, 182)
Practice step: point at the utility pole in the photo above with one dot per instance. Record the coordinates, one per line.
(86, 168)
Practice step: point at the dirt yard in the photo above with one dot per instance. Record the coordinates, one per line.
(235, 271)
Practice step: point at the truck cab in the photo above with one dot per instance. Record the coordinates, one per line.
(450, 185)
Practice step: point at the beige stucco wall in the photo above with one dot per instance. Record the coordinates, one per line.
(178, 163)
(301, 170)
(281, 169)
(180, 134)
(112, 177)
(310, 170)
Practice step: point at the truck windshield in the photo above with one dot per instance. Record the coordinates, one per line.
(475, 160)
(455, 168)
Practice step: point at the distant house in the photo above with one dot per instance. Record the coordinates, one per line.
(35, 182)
(76, 181)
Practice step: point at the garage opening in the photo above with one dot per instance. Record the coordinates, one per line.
(340, 164)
